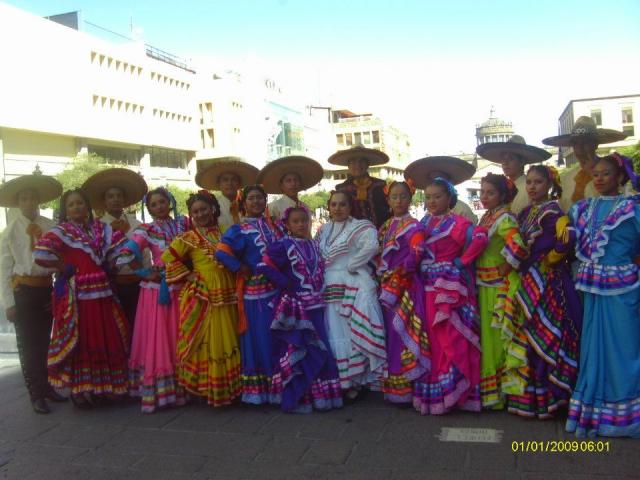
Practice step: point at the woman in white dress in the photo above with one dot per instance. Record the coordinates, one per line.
(353, 316)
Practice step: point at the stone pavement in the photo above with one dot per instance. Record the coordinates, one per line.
(369, 441)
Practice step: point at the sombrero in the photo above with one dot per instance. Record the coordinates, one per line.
(457, 170)
(309, 170)
(131, 183)
(47, 188)
(374, 157)
(585, 128)
(493, 150)
(209, 171)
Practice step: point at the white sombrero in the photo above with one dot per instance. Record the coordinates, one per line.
(210, 170)
(457, 170)
(493, 150)
(130, 182)
(373, 156)
(585, 129)
(47, 188)
(309, 170)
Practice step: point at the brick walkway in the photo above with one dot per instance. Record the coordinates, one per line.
(369, 441)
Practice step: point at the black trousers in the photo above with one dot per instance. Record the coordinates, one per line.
(33, 332)
(128, 295)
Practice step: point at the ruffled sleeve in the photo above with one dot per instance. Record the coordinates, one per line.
(132, 249)
(49, 247)
(473, 239)
(365, 247)
(564, 240)
(116, 243)
(231, 248)
(175, 260)
(514, 250)
(274, 261)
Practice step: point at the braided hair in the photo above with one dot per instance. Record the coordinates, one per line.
(552, 176)
(209, 199)
(350, 200)
(448, 188)
(243, 193)
(503, 184)
(63, 203)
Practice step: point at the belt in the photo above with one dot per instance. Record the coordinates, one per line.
(31, 281)
(127, 279)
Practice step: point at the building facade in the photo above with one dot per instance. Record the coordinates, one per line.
(616, 112)
(350, 129)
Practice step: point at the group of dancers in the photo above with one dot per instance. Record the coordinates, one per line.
(533, 308)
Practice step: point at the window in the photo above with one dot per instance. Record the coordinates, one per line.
(375, 135)
(128, 156)
(163, 157)
(627, 115)
(366, 137)
(206, 136)
(340, 139)
(349, 139)
(357, 138)
(629, 130)
(596, 116)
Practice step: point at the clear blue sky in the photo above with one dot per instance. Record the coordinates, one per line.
(433, 68)
(366, 29)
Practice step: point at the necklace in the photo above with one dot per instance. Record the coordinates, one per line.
(395, 225)
(330, 240)
(307, 252)
(489, 218)
(594, 225)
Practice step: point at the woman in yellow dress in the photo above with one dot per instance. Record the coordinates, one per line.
(208, 349)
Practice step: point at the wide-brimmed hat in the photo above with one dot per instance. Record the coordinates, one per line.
(131, 183)
(493, 150)
(309, 170)
(585, 128)
(373, 156)
(47, 188)
(455, 169)
(210, 170)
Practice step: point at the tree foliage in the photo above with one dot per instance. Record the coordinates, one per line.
(84, 166)
(316, 199)
(78, 171)
(633, 152)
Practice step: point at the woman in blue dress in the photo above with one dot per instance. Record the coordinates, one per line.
(606, 399)
(240, 250)
(305, 371)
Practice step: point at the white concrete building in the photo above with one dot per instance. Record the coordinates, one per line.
(618, 112)
(66, 92)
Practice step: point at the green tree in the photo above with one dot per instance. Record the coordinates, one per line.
(78, 171)
(316, 199)
(181, 195)
(633, 152)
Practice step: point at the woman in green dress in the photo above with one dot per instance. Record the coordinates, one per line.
(502, 335)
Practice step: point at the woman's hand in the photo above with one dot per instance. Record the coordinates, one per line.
(504, 269)
(154, 276)
(245, 270)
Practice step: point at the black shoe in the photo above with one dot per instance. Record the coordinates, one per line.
(55, 396)
(40, 406)
(80, 402)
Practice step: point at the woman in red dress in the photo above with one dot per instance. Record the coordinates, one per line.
(87, 352)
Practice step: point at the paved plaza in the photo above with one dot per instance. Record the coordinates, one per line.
(369, 440)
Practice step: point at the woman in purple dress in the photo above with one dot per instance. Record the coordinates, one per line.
(402, 295)
(548, 298)
(305, 372)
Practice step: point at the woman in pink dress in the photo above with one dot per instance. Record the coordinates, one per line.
(451, 315)
(155, 335)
